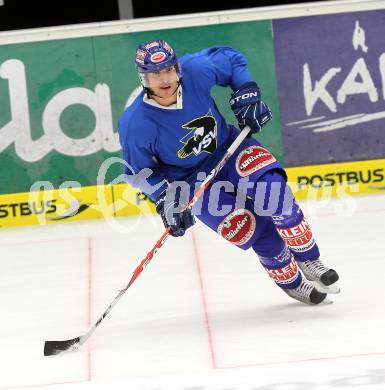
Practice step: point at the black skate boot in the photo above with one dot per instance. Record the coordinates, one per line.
(306, 293)
(324, 278)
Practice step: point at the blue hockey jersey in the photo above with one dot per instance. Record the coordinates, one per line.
(178, 143)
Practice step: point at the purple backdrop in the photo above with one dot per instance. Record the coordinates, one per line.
(330, 72)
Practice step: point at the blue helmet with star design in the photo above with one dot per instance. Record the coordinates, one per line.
(154, 56)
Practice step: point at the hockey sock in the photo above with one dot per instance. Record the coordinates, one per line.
(288, 218)
(282, 269)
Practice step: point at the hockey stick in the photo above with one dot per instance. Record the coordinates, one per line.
(56, 347)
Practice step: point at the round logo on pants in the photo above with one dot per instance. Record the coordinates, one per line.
(238, 227)
(252, 159)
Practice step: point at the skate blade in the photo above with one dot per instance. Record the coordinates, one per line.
(332, 289)
(326, 301)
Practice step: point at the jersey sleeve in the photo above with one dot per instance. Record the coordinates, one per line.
(225, 66)
(141, 168)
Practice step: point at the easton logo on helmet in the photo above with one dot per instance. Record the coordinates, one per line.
(158, 57)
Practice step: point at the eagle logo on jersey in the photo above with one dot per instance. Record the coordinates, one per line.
(201, 138)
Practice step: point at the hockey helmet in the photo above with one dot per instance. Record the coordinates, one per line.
(155, 56)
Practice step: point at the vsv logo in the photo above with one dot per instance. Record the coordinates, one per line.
(201, 138)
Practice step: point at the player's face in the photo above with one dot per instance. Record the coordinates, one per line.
(164, 84)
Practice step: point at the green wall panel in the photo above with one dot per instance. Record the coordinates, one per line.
(61, 100)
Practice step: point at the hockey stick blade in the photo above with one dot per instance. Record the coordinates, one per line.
(56, 347)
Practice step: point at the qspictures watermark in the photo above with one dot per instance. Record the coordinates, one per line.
(49, 204)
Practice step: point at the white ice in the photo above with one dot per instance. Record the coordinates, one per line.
(202, 315)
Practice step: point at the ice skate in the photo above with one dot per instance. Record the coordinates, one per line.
(307, 293)
(325, 279)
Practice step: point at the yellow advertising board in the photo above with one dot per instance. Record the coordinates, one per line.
(72, 204)
(130, 201)
(51, 206)
(337, 180)
(109, 201)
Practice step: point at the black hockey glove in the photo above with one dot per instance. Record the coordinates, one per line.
(174, 215)
(248, 107)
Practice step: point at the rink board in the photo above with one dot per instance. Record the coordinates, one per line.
(337, 180)
(59, 117)
(110, 201)
(72, 204)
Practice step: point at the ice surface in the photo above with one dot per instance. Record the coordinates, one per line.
(202, 315)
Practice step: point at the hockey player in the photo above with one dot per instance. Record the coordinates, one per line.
(174, 133)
